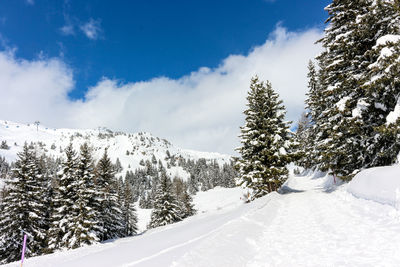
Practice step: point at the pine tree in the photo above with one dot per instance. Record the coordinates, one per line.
(184, 200)
(23, 209)
(129, 212)
(166, 209)
(307, 131)
(265, 141)
(304, 141)
(65, 197)
(110, 217)
(382, 85)
(356, 90)
(45, 193)
(85, 225)
(339, 141)
(118, 167)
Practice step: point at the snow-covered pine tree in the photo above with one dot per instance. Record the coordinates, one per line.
(117, 166)
(303, 141)
(339, 141)
(110, 217)
(184, 199)
(382, 85)
(228, 175)
(85, 225)
(307, 130)
(129, 212)
(23, 209)
(347, 137)
(265, 140)
(186, 203)
(166, 209)
(45, 193)
(65, 196)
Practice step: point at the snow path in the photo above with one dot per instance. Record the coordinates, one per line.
(314, 228)
(311, 226)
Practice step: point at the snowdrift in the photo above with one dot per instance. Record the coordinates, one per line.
(380, 184)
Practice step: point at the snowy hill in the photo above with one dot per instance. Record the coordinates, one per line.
(315, 223)
(131, 149)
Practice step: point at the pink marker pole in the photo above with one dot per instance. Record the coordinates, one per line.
(23, 250)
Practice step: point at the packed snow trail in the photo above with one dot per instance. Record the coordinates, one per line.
(311, 225)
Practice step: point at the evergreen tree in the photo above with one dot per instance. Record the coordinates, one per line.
(110, 217)
(306, 134)
(23, 209)
(382, 86)
(345, 43)
(184, 200)
(166, 209)
(118, 167)
(357, 88)
(85, 226)
(66, 195)
(304, 141)
(129, 212)
(265, 141)
(45, 194)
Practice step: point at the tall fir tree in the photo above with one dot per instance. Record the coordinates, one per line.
(85, 225)
(110, 216)
(382, 85)
(304, 141)
(356, 90)
(307, 131)
(339, 142)
(23, 209)
(265, 141)
(184, 199)
(166, 209)
(65, 197)
(129, 211)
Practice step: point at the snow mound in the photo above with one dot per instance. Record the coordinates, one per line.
(380, 184)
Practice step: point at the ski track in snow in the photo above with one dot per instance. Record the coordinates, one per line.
(315, 226)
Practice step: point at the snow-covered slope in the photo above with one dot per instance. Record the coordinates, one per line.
(381, 184)
(129, 148)
(315, 223)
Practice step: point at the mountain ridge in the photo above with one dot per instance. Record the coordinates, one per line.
(131, 149)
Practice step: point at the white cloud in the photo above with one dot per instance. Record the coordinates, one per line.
(202, 110)
(30, 2)
(67, 29)
(92, 29)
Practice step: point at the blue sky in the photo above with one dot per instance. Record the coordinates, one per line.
(177, 69)
(141, 39)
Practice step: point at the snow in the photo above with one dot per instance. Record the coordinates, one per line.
(143, 216)
(386, 52)
(341, 105)
(394, 115)
(140, 145)
(380, 184)
(388, 38)
(313, 222)
(380, 106)
(361, 106)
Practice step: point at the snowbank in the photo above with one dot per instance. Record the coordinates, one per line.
(381, 184)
